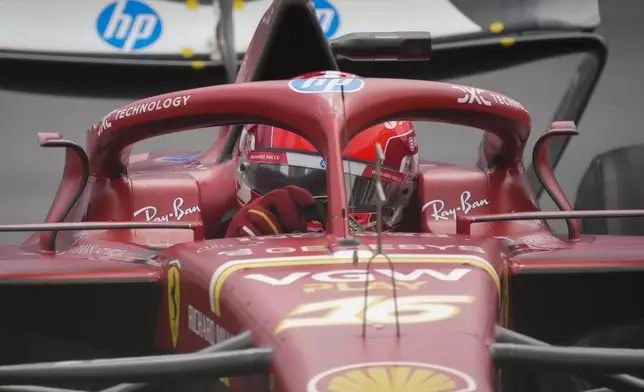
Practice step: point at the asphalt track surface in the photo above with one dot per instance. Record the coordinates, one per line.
(29, 175)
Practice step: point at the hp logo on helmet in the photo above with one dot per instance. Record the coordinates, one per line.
(316, 85)
(129, 25)
(328, 17)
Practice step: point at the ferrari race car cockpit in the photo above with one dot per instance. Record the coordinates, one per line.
(133, 265)
(505, 121)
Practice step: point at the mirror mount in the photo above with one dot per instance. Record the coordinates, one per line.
(543, 169)
(72, 184)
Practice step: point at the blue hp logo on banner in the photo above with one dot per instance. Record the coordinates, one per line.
(129, 25)
(328, 16)
(325, 85)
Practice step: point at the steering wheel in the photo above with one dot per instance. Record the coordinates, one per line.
(318, 211)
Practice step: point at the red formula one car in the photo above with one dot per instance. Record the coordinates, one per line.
(132, 271)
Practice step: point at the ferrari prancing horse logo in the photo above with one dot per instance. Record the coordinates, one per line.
(174, 288)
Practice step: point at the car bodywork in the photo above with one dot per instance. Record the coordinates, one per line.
(131, 262)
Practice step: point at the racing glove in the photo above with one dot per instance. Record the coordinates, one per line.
(277, 212)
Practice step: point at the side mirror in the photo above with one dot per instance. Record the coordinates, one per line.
(545, 174)
(72, 184)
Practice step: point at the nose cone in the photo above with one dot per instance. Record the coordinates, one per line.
(420, 319)
(426, 325)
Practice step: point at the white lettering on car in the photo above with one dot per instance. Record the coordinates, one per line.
(106, 122)
(498, 98)
(476, 95)
(205, 328)
(348, 276)
(94, 250)
(177, 213)
(440, 213)
(434, 260)
(396, 234)
(365, 234)
(248, 251)
(472, 94)
(534, 241)
(210, 247)
(467, 248)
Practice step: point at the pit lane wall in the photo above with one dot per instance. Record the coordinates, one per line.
(306, 298)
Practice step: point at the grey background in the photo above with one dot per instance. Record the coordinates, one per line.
(29, 175)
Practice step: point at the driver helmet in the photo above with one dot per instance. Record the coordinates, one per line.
(272, 158)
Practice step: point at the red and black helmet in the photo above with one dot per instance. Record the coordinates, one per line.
(273, 158)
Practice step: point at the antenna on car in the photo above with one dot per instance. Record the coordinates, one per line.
(380, 199)
(347, 241)
(346, 141)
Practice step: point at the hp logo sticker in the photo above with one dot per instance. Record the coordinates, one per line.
(316, 85)
(328, 17)
(129, 25)
(323, 164)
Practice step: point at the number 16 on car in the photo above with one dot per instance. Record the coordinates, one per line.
(379, 310)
